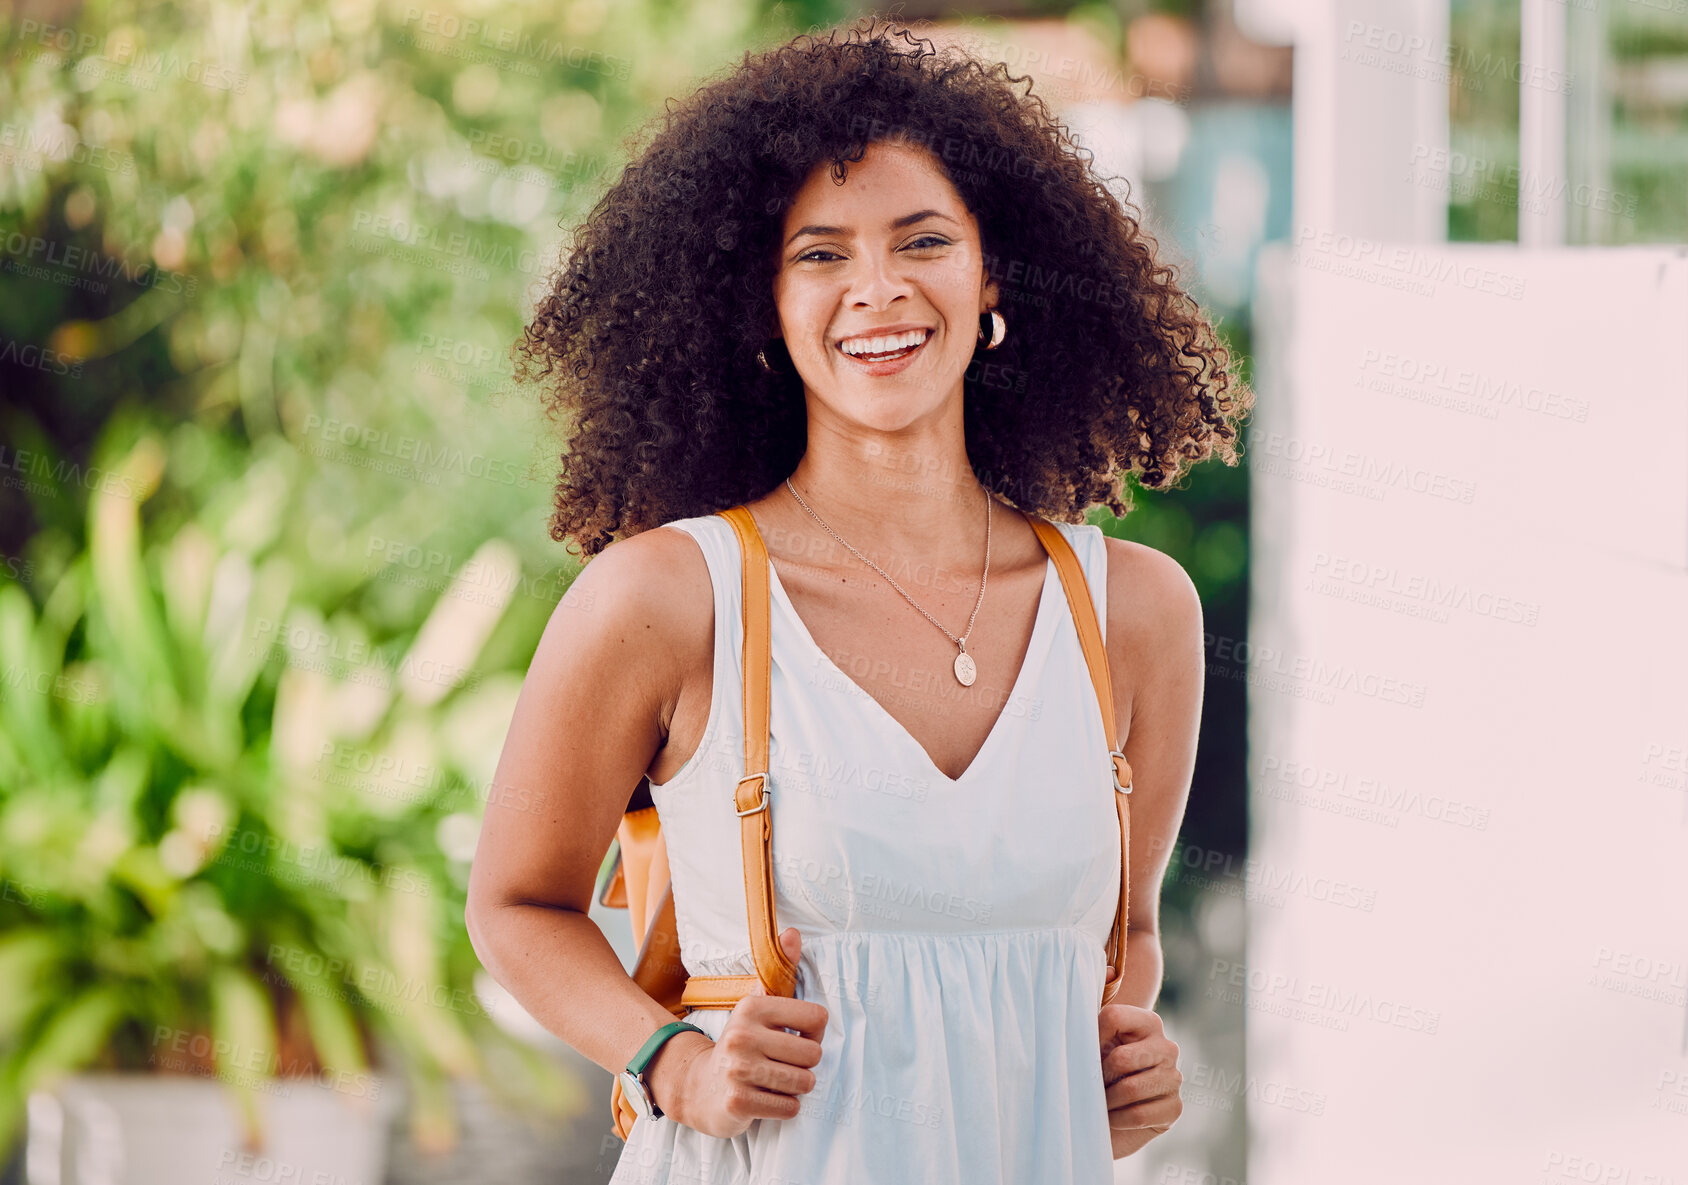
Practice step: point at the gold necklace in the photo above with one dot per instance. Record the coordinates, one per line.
(966, 670)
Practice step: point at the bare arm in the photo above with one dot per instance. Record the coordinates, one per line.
(1157, 662)
(591, 717)
(618, 659)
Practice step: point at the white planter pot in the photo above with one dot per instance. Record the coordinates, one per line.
(166, 1129)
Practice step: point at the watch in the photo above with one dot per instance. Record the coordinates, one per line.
(633, 1083)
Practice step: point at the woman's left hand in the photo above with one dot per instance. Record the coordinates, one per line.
(1140, 1071)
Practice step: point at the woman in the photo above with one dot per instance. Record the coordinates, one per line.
(871, 292)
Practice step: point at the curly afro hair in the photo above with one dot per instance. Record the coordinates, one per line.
(653, 321)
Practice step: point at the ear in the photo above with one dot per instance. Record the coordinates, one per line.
(991, 294)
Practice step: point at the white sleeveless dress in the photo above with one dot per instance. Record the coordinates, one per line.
(955, 929)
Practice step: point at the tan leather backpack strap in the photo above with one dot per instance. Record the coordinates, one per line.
(659, 969)
(1083, 611)
(752, 799)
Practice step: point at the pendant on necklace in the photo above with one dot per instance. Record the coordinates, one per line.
(965, 669)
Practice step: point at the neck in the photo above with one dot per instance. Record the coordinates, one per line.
(907, 493)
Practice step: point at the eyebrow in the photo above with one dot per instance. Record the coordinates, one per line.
(896, 224)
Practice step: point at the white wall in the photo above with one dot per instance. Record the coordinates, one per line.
(1470, 474)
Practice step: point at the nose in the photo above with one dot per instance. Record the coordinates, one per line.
(876, 282)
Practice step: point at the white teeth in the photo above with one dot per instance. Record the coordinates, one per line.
(881, 345)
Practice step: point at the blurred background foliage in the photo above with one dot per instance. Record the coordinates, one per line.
(272, 513)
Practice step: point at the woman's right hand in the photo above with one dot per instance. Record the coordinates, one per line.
(755, 1069)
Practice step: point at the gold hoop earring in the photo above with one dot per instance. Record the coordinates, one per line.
(998, 329)
(762, 361)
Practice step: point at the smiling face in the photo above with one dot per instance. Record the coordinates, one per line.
(880, 285)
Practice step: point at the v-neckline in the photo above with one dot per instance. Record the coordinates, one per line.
(1035, 648)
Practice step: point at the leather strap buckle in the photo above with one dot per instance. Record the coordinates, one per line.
(1113, 753)
(761, 806)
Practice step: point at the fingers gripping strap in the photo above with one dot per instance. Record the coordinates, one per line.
(752, 799)
(1083, 611)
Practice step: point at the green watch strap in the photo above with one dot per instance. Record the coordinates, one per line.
(659, 1038)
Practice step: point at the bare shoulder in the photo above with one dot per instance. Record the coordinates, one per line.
(608, 671)
(649, 593)
(1148, 591)
(1154, 616)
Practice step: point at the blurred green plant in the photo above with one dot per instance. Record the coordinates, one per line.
(188, 871)
(259, 269)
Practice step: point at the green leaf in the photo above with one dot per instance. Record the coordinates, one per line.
(140, 870)
(334, 1031)
(25, 683)
(122, 593)
(326, 1004)
(240, 628)
(187, 565)
(26, 963)
(71, 1039)
(123, 779)
(433, 1118)
(244, 1040)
